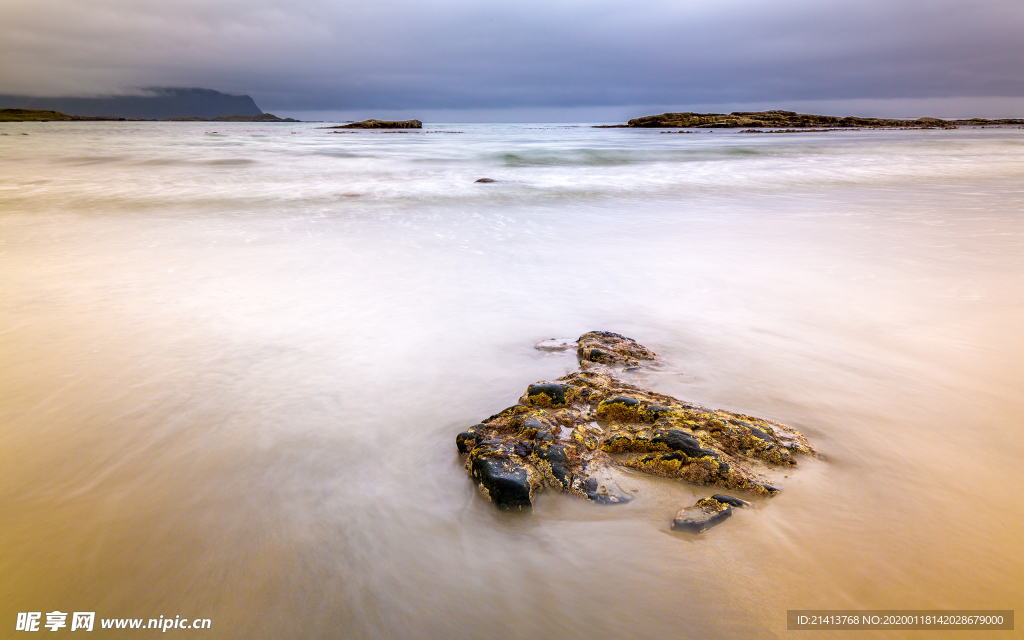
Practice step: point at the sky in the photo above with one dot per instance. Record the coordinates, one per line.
(541, 60)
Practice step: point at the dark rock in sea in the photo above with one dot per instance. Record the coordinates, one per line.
(381, 124)
(568, 434)
(466, 441)
(485, 180)
(731, 501)
(506, 481)
(701, 516)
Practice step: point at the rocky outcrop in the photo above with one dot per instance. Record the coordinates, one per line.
(568, 434)
(381, 124)
(793, 120)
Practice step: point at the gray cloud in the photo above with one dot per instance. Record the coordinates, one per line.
(445, 54)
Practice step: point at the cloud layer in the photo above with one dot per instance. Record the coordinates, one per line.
(453, 54)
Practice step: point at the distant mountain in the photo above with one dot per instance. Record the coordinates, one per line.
(158, 105)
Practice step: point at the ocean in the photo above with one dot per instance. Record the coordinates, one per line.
(235, 359)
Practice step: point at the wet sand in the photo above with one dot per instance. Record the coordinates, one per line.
(232, 392)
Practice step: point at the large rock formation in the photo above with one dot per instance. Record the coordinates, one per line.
(566, 434)
(381, 124)
(793, 120)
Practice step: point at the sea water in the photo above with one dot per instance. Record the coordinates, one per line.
(235, 357)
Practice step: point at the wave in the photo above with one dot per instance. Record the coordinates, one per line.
(609, 158)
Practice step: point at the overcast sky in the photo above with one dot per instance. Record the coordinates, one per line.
(445, 55)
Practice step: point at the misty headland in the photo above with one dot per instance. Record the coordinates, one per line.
(155, 104)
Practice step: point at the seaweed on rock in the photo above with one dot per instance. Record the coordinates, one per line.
(566, 434)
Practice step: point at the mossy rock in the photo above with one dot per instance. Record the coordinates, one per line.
(783, 119)
(566, 434)
(705, 514)
(605, 347)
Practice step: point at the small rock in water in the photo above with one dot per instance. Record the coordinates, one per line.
(555, 344)
(701, 516)
(486, 180)
(731, 501)
(612, 348)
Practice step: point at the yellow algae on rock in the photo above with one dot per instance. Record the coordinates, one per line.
(550, 438)
(611, 348)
